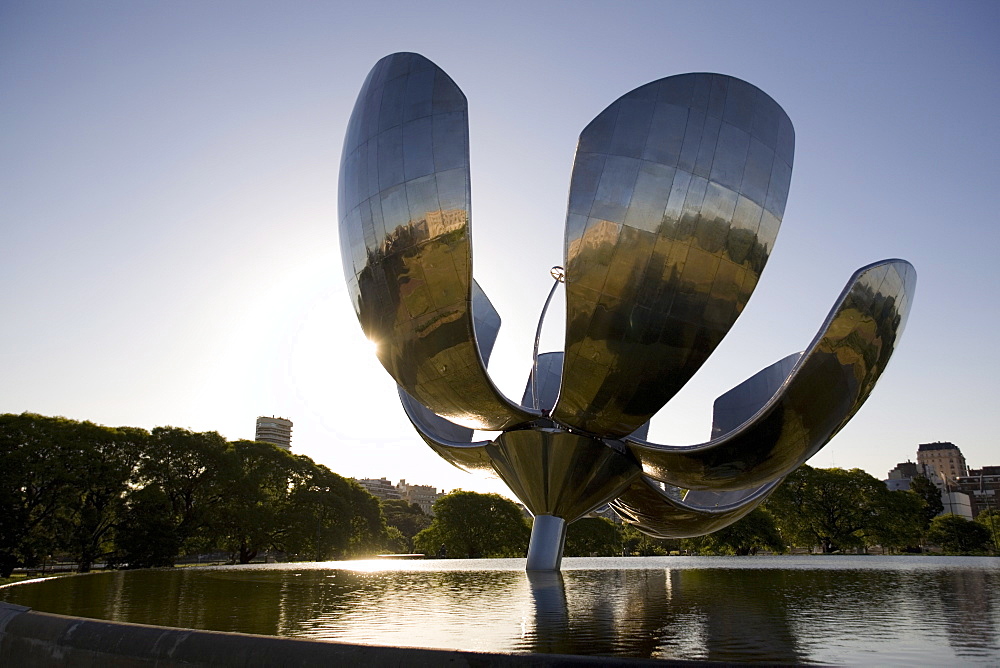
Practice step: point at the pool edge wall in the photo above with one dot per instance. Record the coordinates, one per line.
(31, 638)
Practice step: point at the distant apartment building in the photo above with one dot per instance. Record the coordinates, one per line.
(945, 459)
(901, 476)
(906, 471)
(274, 430)
(965, 492)
(422, 495)
(380, 488)
(983, 488)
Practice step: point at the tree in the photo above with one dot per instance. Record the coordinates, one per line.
(38, 464)
(593, 537)
(407, 518)
(255, 480)
(106, 464)
(147, 535)
(897, 521)
(396, 542)
(957, 535)
(329, 517)
(638, 544)
(472, 525)
(832, 508)
(179, 474)
(141, 499)
(925, 489)
(990, 518)
(754, 532)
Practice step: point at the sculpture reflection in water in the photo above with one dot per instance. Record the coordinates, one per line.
(930, 611)
(677, 193)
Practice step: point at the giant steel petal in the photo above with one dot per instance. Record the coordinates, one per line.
(457, 449)
(822, 389)
(454, 442)
(405, 239)
(654, 511)
(677, 193)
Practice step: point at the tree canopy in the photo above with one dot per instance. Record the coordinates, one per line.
(755, 532)
(594, 537)
(926, 490)
(839, 509)
(407, 518)
(957, 535)
(990, 518)
(140, 498)
(473, 525)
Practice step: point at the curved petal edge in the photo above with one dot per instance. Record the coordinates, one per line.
(822, 391)
(405, 239)
(653, 510)
(677, 194)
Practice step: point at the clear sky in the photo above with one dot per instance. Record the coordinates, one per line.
(168, 208)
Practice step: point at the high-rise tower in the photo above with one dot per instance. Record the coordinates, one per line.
(274, 430)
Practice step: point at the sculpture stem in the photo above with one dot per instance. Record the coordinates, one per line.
(548, 537)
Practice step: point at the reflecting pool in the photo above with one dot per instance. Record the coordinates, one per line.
(836, 610)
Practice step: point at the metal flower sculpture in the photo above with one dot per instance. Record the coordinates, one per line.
(677, 193)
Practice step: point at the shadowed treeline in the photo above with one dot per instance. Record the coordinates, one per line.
(137, 498)
(132, 498)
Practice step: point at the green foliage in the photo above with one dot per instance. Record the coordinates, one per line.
(407, 518)
(255, 479)
(990, 519)
(147, 536)
(108, 466)
(188, 469)
(832, 508)
(840, 509)
(472, 525)
(898, 520)
(593, 537)
(926, 490)
(61, 484)
(396, 542)
(957, 535)
(638, 544)
(330, 517)
(754, 532)
(140, 499)
(31, 489)
(368, 531)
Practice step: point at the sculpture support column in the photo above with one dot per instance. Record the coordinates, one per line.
(548, 537)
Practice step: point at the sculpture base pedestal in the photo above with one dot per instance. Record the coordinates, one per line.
(548, 537)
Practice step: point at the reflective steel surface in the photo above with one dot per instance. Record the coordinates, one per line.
(486, 324)
(677, 193)
(824, 388)
(404, 239)
(545, 549)
(650, 508)
(554, 472)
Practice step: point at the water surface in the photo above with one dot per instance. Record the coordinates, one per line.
(840, 610)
